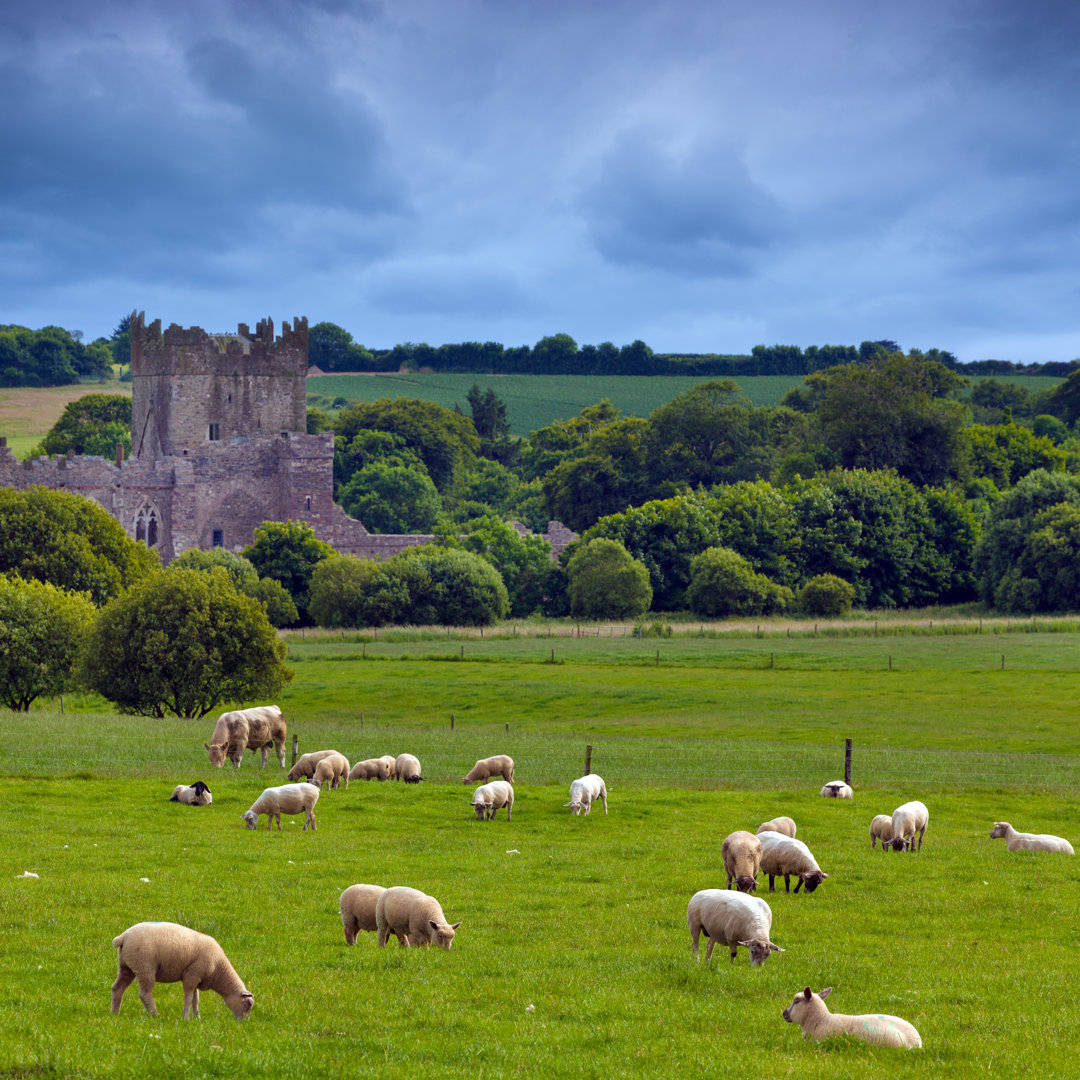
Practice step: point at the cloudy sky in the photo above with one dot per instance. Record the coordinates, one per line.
(705, 176)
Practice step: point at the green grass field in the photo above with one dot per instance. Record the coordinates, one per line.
(573, 957)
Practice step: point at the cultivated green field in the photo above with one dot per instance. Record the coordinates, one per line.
(573, 956)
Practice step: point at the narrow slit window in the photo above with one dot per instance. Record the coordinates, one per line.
(215, 432)
(218, 539)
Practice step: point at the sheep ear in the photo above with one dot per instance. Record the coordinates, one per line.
(456, 925)
(776, 948)
(207, 745)
(808, 993)
(747, 944)
(826, 992)
(823, 875)
(568, 804)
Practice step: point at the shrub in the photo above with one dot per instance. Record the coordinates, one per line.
(722, 583)
(604, 581)
(826, 594)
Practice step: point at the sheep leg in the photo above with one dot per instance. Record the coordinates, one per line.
(922, 832)
(146, 995)
(124, 978)
(787, 883)
(709, 949)
(265, 749)
(191, 998)
(798, 884)
(694, 934)
(734, 951)
(772, 883)
(310, 820)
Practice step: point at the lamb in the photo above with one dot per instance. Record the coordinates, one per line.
(154, 952)
(881, 829)
(584, 791)
(837, 789)
(287, 799)
(732, 919)
(197, 794)
(416, 918)
(391, 766)
(247, 729)
(907, 820)
(407, 768)
(1025, 841)
(357, 905)
(741, 852)
(782, 825)
(810, 1012)
(790, 857)
(304, 768)
(486, 768)
(370, 769)
(488, 798)
(331, 770)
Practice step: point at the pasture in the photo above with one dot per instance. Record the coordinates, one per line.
(573, 958)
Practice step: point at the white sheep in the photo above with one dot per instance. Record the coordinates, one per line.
(304, 766)
(391, 766)
(287, 799)
(499, 765)
(741, 852)
(810, 1012)
(784, 855)
(371, 769)
(1025, 841)
(488, 798)
(154, 952)
(782, 825)
(357, 906)
(407, 768)
(731, 919)
(331, 770)
(414, 917)
(197, 794)
(837, 789)
(585, 791)
(881, 829)
(907, 820)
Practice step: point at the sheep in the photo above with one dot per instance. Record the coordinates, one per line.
(782, 825)
(154, 952)
(304, 767)
(407, 768)
(331, 770)
(810, 1012)
(584, 791)
(741, 852)
(287, 799)
(247, 729)
(370, 769)
(907, 820)
(790, 857)
(732, 919)
(486, 768)
(197, 794)
(416, 918)
(1025, 841)
(881, 828)
(391, 766)
(488, 798)
(837, 789)
(357, 906)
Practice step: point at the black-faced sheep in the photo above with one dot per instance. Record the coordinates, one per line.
(486, 768)
(414, 917)
(287, 799)
(741, 852)
(786, 856)
(407, 768)
(907, 820)
(731, 919)
(810, 1012)
(837, 789)
(197, 794)
(253, 729)
(1025, 841)
(357, 906)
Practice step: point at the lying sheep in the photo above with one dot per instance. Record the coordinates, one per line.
(407, 768)
(154, 952)
(585, 791)
(1025, 841)
(391, 766)
(741, 852)
(881, 829)
(488, 798)
(783, 825)
(810, 1012)
(731, 919)
(790, 857)
(331, 770)
(837, 789)
(357, 906)
(304, 768)
(486, 768)
(287, 799)
(197, 794)
(414, 917)
(907, 820)
(371, 769)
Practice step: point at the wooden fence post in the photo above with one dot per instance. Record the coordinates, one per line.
(451, 721)
(588, 760)
(847, 761)
(295, 743)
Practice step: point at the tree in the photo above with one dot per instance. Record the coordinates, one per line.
(41, 631)
(391, 499)
(339, 591)
(1006, 452)
(183, 642)
(288, 552)
(523, 562)
(723, 583)
(604, 581)
(330, 348)
(276, 602)
(826, 595)
(452, 588)
(86, 424)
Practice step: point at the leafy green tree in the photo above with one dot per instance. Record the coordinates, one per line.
(604, 581)
(330, 348)
(723, 583)
(1064, 400)
(1046, 577)
(1006, 452)
(451, 587)
(826, 595)
(41, 631)
(93, 424)
(390, 499)
(548, 446)
(288, 552)
(183, 642)
(580, 491)
(276, 602)
(487, 483)
(992, 400)
(340, 591)
(523, 562)
(490, 418)
(121, 343)
(555, 355)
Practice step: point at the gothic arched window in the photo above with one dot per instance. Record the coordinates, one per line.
(147, 527)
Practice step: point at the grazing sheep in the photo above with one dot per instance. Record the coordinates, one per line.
(371, 769)
(407, 768)
(197, 794)
(790, 857)
(287, 799)
(741, 852)
(331, 770)
(907, 820)
(837, 789)
(810, 1012)
(357, 905)
(1026, 841)
(488, 798)
(585, 791)
(486, 768)
(783, 825)
(253, 729)
(304, 768)
(391, 766)
(154, 952)
(416, 918)
(881, 829)
(732, 919)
